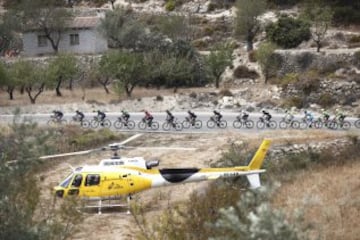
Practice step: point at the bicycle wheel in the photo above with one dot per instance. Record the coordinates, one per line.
(106, 123)
(154, 125)
(198, 124)
(94, 123)
(295, 124)
(283, 124)
(222, 124)
(130, 124)
(142, 125)
(317, 124)
(178, 126)
(272, 124)
(51, 123)
(303, 125)
(166, 126)
(237, 124)
(346, 125)
(210, 124)
(357, 123)
(118, 124)
(186, 124)
(249, 124)
(85, 124)
(333, 125)
(260, 124)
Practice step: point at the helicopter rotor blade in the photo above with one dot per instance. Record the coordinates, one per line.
(130, 139)
(162, 148)
(69, 154)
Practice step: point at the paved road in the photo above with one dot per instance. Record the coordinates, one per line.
(229, 117)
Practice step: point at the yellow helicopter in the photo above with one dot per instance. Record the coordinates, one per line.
(117, 177)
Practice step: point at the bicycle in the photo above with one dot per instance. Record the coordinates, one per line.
(213, 121)
(343, 124)
(144, 123)
(357, 123)
(167, 125)
(121, 122)
(288, 123)
(54, 121)
(262, 122)
(102, 122)
(76, 120)
(196, 123)
(321, 122)
(306, 123)
(239, 122)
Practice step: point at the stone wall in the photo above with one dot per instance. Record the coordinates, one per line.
(297, 61)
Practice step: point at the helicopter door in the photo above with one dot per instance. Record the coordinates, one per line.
(75, 185)
(92, 185)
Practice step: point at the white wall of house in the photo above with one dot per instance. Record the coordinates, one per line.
(90, 42)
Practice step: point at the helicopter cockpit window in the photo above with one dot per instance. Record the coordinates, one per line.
(77, 181)
(92, 179)
(66, 181)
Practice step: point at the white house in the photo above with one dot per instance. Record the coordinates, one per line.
(81, 37)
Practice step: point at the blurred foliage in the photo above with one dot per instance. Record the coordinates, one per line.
(288, 32)
(23, 214)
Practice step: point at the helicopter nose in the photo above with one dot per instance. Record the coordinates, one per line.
(59, 193)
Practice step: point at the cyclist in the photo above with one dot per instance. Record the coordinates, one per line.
(217, 116)
(266, 115)
(58, 115)
(148, 117)
(170, 117)
(325, 115)
(289, 116)
(339, 115)
(125, 115)
(192, 117)
(309, 117)
(101, 115)
(244, 115)
(79, 115)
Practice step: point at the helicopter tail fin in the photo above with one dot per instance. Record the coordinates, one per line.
(254, 180)
(258, 159)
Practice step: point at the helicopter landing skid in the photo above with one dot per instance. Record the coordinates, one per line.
(106, 203)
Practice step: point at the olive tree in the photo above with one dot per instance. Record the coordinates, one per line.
(61, 68)
(32, 77)
(218, 60)
(267, 60)
(247, 23)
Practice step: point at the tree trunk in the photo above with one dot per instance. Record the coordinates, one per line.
(10, 91)
(249, 45)
(71, 84)
(33, 98)
(318, 46)
(22, 89)
(58, 85)
(104, 84)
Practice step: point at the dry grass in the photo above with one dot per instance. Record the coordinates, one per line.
(97, 95)
(329, 197)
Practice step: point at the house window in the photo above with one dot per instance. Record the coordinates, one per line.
(74, 39)
(42, 41)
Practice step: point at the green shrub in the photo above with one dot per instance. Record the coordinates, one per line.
(287, 79)
(354, 39)
(326, 100)
(295, 101)
(170, 5)
(159, 98)
(243, 72)
(288, 32)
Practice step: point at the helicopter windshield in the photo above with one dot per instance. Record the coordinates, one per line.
(67, 180)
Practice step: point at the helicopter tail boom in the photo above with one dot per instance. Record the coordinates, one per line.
(258, 159)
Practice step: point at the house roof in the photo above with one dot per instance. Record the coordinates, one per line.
(85, 22)
(76, 23)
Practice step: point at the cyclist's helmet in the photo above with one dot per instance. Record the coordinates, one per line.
(189, 112)
(305, 112)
